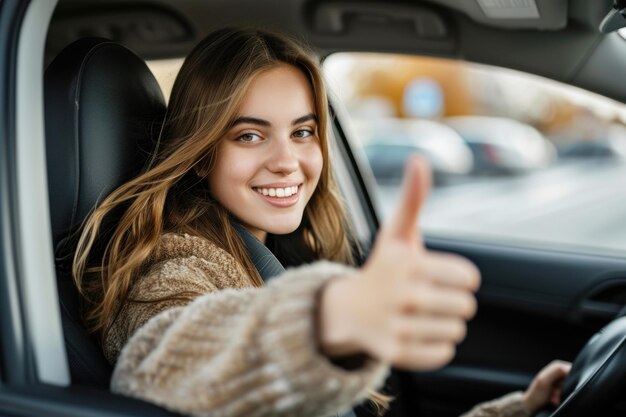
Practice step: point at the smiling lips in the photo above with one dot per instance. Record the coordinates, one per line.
(280, 196)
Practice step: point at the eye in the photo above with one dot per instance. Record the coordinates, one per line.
(303, 133)
(249, 138)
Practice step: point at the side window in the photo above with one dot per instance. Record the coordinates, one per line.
(517, 159)
(165, 71)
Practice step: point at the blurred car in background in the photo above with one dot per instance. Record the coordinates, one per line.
(388, 142)
(503, 146)
(605, 142)
(594, 149)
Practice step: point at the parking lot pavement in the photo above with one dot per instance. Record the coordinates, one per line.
(558, 206)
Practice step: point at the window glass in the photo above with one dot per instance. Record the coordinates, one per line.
(165, 71)
(516, 158)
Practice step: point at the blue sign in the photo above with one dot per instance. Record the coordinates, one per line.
(423, 97)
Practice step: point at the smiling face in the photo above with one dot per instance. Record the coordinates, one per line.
(268, 164)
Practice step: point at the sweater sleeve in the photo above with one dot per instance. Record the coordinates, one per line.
(510, 405)
(244, 352)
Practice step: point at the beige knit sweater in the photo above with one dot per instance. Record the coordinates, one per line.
(236, 350)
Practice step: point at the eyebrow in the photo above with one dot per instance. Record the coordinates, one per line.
(261, 122)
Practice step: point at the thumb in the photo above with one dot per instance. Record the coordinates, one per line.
(415, 189)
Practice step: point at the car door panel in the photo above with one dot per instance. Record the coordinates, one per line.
(51, 401)
(534, 306)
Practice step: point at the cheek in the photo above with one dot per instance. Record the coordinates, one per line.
(314, 163)
(231, 172)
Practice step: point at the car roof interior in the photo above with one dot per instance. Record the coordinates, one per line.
(469, 30)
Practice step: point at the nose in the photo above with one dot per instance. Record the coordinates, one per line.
(283, 158)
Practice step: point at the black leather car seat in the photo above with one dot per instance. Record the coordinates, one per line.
(102, 107)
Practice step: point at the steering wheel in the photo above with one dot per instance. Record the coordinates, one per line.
(597, 379)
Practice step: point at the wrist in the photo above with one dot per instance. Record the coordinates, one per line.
(529, 403)
(336, 326)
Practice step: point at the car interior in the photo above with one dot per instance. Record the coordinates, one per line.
(102, 107)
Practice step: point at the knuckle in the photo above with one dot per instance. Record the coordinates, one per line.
(444, 355)
(460, 331)
(403, 301)
(469, 269)
(449, 354)
(471, 307)
(559, 363)
(425, 357)
(475, 277)
(471, 272)
(415, 299)
(543, 382)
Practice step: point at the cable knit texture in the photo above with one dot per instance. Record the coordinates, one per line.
(239, 351)
(235, 350)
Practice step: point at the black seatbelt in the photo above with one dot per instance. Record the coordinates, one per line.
(263, 259)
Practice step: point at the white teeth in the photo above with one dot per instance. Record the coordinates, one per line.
(278, 192)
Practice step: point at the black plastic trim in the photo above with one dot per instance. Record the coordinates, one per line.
(49, 401)
(362, 189)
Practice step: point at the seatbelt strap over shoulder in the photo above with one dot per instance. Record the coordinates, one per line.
(263, 259)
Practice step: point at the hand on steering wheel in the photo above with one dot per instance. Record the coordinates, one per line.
(597, 379)
(546, 386)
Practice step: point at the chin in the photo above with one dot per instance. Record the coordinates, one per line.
(283, 229)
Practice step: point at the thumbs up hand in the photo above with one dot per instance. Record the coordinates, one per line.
(407, 306)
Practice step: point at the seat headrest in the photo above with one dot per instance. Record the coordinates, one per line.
(103, 110)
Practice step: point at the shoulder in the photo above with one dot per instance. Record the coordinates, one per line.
(180, 269)
(181, 245)
(184, 256)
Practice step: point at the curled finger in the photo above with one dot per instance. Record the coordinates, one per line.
(450, 270)
(428, 328)
(424, 356)
(427, 298)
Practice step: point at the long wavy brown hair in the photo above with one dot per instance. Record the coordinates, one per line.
(170, 197)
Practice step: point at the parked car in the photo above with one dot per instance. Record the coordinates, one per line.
(503, 146)
(389, 142)
(593, 149)
(537, 302)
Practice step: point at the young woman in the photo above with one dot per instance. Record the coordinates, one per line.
(180, 308)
